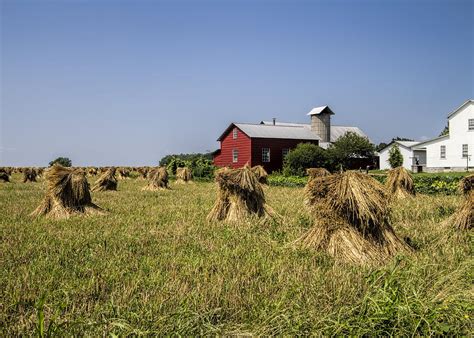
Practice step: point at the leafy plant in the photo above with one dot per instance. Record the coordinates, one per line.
(64, 161)
(395, 157)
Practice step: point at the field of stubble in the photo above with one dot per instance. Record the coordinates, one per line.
(153, 265)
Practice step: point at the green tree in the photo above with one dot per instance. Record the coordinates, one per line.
(64, 161)
(348, 147)
(395, 157)
(445, 131)
(304, 156)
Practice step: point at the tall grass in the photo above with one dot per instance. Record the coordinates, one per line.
(153, 265)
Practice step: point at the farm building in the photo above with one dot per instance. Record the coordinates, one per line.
(267, 143)
(450, 152)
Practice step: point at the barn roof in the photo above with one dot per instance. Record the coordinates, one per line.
(300, 132)
(336, 131)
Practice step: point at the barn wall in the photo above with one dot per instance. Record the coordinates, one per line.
(242, 144)
(276, 150)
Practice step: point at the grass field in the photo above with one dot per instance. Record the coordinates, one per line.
(153, 265)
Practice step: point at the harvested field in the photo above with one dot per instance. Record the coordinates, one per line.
(153, 265)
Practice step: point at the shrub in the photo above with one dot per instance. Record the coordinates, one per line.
(304, 156)
(348, 147)
(64, 161)
(395, 157)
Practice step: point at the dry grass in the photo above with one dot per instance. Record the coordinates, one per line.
(351, 220)
(400, 183)
(261, 174)
(67, 194)
(29, 175)
(183, 175)
(107, 181)
(157, 179)
(240, 197)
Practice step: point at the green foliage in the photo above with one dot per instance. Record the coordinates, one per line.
(64, 161)
(425, 183)
(200, 165)
(445, 131)
(287, 181)
(395, 157)
(347, 147)
(184, 157)
(304, 156)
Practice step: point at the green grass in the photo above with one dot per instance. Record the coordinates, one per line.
(153, 265)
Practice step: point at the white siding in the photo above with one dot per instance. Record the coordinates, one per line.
(406, 153)
(458, 135)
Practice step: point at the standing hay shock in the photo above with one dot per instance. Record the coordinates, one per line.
(183, 175)
(123, 173)
(261, 174)
(351, 220)
(463, 218)
(317, 172)
(240, 196)
(143, 172)
(4, 175)
(92, 171)
(400, 183)
(157, 179)
(67, 194)
(106, 182)
(29, 175)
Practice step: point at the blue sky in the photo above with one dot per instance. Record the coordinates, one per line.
(127, 82)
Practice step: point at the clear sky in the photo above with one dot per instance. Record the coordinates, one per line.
(127, 82)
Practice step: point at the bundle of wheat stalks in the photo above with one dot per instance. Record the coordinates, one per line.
(463, 218)
(400, 183)
(106, 181)
(240, 196)
(4, 175)
(157, 179)
(351, 220)
(143, 172)
(92, 171)
(183, 175)
(316, 172)
(123, 173)
(29, 175)
(67, 194)
(261, 173)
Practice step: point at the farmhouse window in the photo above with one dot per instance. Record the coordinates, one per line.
(265, 154)
(234, 133)
(442, 151)
(235, 155)
(285, 152)
(471, 124)
(464, 151)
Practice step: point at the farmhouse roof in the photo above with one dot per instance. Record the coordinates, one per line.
(459, 108)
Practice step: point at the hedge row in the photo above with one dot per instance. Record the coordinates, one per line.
(424, 184)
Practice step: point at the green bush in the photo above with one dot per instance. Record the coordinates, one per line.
(64, 161)
(286, 181)
(304, 156)
(201, 166)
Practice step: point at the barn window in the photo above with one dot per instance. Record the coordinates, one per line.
(471, 124)
(464, 151)
(234, 133)
(235, 155)
(442, 150)
(265, 154)
(285, 152)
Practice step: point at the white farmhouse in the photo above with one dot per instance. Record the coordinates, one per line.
(451, 152)
(407, 152)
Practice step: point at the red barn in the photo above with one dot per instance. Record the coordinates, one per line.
(267, 143)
